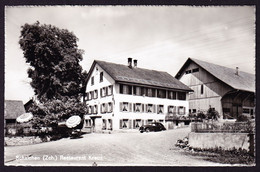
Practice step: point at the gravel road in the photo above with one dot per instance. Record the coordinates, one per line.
(116, 149)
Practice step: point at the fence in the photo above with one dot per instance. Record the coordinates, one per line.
(226, 127)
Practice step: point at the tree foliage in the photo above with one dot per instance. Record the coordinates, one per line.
(57, 77)
(54, 59)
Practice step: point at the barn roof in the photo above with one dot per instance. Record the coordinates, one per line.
(243, 81)
(122, 73)
(13, 108)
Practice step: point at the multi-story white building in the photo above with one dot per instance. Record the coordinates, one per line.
(126, 97)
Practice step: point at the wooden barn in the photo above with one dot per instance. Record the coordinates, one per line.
(12, 109)
(230, 91)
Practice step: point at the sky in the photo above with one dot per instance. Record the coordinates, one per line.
(159, 37)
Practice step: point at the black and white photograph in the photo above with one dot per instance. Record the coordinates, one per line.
(103, 85)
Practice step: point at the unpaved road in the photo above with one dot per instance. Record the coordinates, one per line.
(117, 149)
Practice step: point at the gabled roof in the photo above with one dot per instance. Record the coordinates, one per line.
(122, 73)
(13, 109)
(243, 81)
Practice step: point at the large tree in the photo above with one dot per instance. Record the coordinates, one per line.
(54, 58)
(57, 77)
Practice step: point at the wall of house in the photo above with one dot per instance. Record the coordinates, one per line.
(107, 81)
(144, 116)
(208, 90)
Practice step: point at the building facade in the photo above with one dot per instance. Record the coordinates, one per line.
(126, 97)
(229, 91)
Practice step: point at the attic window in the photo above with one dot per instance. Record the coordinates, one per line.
(195, 70)
(187, 71)
(101, 77)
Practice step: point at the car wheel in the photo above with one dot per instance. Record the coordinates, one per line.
(147, 130)
(141, 131)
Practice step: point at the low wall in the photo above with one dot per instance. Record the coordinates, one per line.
(223, 140)
(18, 141)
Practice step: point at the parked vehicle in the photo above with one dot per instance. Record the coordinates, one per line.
(154, 126)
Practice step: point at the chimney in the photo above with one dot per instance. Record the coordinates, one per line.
(135, 63)
(236, 71)
(130, 62)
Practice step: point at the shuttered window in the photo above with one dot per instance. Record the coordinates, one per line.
(125, 107)
(181, 110)
(160, 109)
(110, 90)
(172, 109)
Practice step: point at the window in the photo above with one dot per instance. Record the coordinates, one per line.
(95, 94)
(110, 107)
(90, 110)
(172, 95)
(150, 108)
(125, 107)
(103, 92)
(137, 123)
(151, 92)
(110, 124)
(181, 96)
(143, 91)
(171, 109)
(124, 123)
(110, 90)
(104, 124)
(195, 70)
(92, 94)
(245, 110)
(103, 108)
(187, 71)
(201, 89)
(95, 109)
(125, 89)
(181, 110)
(160, 109)
(138, 107)
(101, 77)
(137, 91)
(194, 110)
(92, 80)
(161, 93)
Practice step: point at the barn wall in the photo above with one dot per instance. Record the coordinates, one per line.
(213, 89)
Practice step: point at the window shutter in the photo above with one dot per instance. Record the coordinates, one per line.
(101, 92)
(158, 109)
(121, 124)
(142, 108)
(130, 124)
(130, 107)
(134, 124)
(184, 110)
(111, 86)
(111, 107)
(106, 91)
(101, 109)
(134, 108)
(121, 106)
(178, 110)
(142, 122)
(106, 107)
(146, 121)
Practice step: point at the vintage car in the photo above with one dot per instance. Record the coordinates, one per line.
(154, 126)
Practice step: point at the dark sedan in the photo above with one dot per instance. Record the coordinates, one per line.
(154, 126)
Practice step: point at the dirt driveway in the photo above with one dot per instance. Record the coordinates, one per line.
(117, 149)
